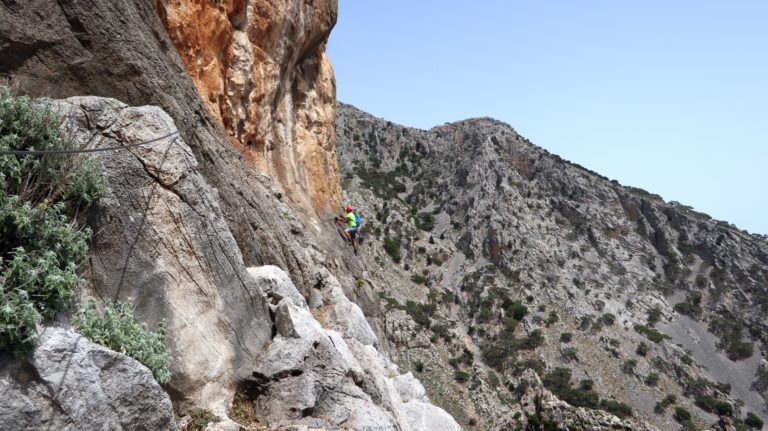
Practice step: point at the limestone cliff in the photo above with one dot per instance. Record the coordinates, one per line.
(260, 68)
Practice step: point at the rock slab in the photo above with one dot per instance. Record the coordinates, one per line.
(45, 391)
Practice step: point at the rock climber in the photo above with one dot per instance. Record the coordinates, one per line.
(349, 222)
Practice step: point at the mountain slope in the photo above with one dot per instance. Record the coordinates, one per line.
(495, 256)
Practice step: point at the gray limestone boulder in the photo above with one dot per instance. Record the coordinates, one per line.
(332, 372)
(69, 383)
(276, 284)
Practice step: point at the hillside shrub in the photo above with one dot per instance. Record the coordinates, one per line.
(41, 245)
(652, 379)
(662, 405)
(461, 376)
(608, 319)
(552, 318)
(201, 418)
(500, 350)
(753, 421)
(654, 315)
(628, 367)
(392, 247)
(570, 354)
(710, 404)
(682, 415)
(617, 408)
(383, 184)
(425, 222)
(650, 333)
(559, 382)
(420, 313)
(535, 364)
(730, 332)
(116, 328)
(642, 349)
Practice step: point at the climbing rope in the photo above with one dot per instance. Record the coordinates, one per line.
(83, 150)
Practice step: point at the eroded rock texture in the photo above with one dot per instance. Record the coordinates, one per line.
(322, 370)
(261, 69)
(160, 239)
(46, 390)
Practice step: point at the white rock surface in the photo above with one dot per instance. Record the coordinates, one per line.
(69, 383)
(276, 284)
(311, 372)
(161, 239)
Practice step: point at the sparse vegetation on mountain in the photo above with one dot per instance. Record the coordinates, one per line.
(534, 247)
(731, 336)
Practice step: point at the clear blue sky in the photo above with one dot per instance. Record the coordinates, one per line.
(669, 96)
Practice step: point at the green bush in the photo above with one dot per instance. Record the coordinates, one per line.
(425, 222)
(420, 313)
(461, 376)
(608, 319)
(654, 315)
(559, 382)
(682, 414)
(710, 404)
(534, 364)
(652, 379)
(684, 308)
(516, 309)
(730, 332)
(617, 408)
(553, 318)
(650, 333)
(571, 354)
(753, 421)
(628, 367)
(392, 247)
(201, 418)
(662, 405)
(40, 242)
(117, 329)
(566, 337)
(642, 349)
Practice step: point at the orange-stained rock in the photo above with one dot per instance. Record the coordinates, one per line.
(260, 67)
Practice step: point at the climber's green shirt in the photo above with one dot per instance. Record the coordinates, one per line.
(351, 220)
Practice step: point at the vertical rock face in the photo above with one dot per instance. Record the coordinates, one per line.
(161, 239)
(260, 67)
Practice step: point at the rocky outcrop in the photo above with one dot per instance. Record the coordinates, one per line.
(161, 240)
(538, 405)
(326, 374)
(71, 384)
(261, 69)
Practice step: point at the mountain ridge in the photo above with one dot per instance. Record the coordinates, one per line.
(638, 190)
(475, 191)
